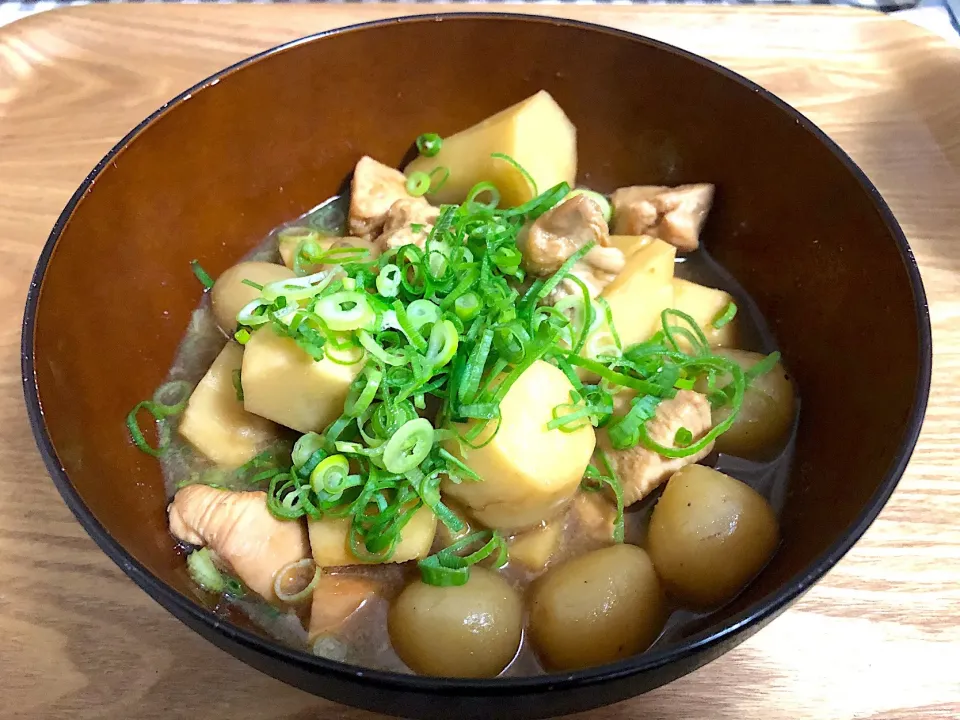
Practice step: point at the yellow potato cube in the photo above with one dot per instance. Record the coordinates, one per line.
(534, 548)
(281, 382)
(330, 541)
(535, 132)
(629, 244)
(642, 291)
(529, 473)
(703, 304)
(215, 422)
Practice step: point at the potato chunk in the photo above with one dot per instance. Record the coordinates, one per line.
(535, 132)
(642, 291)
(215, 422)
(281, 382)
(534, 548)
(330, 541)
(703, 304)
(529, 472)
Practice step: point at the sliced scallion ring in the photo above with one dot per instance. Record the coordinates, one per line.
(443, 343)
(296, 581)
(204, 572)
(346, 310)
(408, 446)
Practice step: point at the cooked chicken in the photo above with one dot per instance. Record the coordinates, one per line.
(335, 599)
(374, 189)
(560, 232)
(597, 269)
(640, 470)
(239, 528)
(408, 221)
(675, 215)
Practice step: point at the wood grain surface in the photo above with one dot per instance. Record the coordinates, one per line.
(879, 638)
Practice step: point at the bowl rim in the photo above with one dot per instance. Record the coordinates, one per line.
(756, 614)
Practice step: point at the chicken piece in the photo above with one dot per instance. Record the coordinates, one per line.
(374, 189)
(335, 599)
(560, 232)
(641, 471)
(239, 528)
(675, 215)
(597, 269)
(409, 221)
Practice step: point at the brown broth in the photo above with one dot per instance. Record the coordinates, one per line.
(364, 640)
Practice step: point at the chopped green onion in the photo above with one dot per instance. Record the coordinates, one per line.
(362, 391)
(160, 409)
(408, 446)
(443, 344)
(436, 185)
(517, 166)
(418, 184)
(388, 281)
(330, 476)
(594, 480)
(296, 581)
(242, 336)
(467, 306)
(204, 572)
(201, 274)
(762, 367)
(448, 567)
(683, 437)
(725, 316)
(345, 310)
(429, 144)
(237, 384)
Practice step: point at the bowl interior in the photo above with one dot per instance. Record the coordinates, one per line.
(213, 173)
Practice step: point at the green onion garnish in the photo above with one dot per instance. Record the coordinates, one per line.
(202, 275)
(429, 144)
(594, 480)
(448, 567)
(203, 571)
(237, 384)
(725, 316)
(168, 400)
(418, 184)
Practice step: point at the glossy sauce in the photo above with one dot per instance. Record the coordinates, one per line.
(364, 640)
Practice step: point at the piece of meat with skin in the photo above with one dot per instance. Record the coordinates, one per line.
(403, 215)
(374, 189)
(557, 234)
(239, 528)
(675, 215)
(640, 470)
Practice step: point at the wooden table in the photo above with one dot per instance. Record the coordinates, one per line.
(879, 638)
